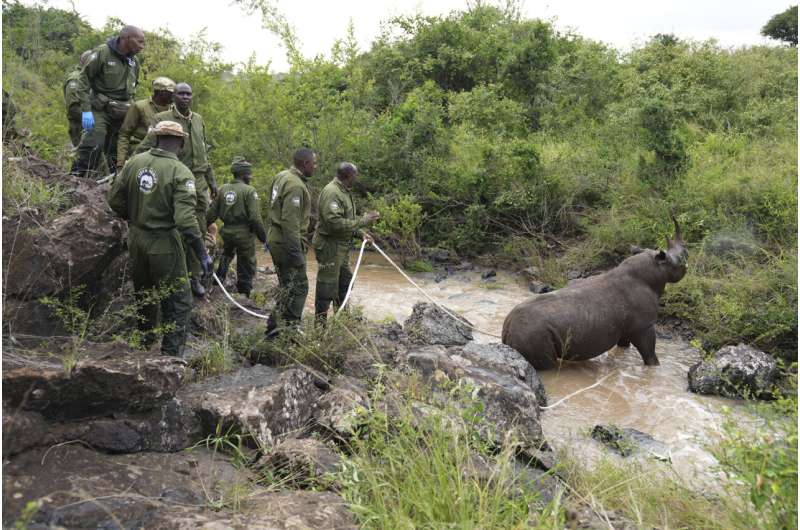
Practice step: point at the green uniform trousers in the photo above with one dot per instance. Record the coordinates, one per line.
(333, 274)
(238, 242)
(158, 262)
(201, 190)
(94, 144)
(74, 119)
(293, 285)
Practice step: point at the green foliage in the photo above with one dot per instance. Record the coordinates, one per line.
(783, 26)
(761, 461)
(419, 470)
(400, 220)
(20, 192)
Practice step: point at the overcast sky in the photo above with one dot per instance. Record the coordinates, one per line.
(620, 23)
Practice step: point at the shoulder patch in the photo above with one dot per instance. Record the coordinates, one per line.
(255, 195)
(190, 186)
(230, 197)
(296, 200)
(334, 205)
(147, 180)
(274, 194)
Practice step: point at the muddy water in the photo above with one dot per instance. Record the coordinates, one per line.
(654, 400)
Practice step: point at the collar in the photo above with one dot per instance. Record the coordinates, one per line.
(341, 185)
(298, 173)
(113, 45)
(159, 108)
(176, 112)
(156, 151)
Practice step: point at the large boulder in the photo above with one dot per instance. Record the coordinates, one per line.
(94, 387)
(507, 360)
(627, 441)
(510, 409)
(428, 324)
(736, 372)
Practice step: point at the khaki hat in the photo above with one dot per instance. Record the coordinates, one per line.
(164, 83)
(239, 165)
(168, 128)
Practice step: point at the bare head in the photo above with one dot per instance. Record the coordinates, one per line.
(183, 97)
(131, 40)
(305, 160)
(347, 172)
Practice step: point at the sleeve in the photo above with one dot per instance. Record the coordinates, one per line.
(253, 206)
(331, 211)
(184, 201)
(125, 132)
(147, 142)
(213, 211)
(89, 71)
(291, 213)
(118, 196)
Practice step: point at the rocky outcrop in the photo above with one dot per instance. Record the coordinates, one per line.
(510, 409)
(78, 488)
(301, 463)
(428, 324)
(42, 257)
(736, 372)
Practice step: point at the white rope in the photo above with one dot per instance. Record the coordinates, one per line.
(562, 400)
(237, 304)
(353, 279)
(434, 302)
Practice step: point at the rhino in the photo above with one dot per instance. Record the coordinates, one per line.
(590, 316)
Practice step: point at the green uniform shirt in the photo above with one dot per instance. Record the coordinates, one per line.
(289, 210)
(337, 213)
(71, 85)
(156, 192)
(107, 73)
(135, 126)
(237, 204)
(193, 154)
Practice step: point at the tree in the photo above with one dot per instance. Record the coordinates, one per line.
(783, 26)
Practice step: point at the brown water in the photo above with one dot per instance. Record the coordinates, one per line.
(654, 400)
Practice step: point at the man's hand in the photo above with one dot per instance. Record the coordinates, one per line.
(371, 217)
(213, 189)
(367, 236)
(87, 120)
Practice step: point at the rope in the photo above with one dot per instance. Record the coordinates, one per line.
(237, 304)
(562, 400)
(353, 279)
(434, 302)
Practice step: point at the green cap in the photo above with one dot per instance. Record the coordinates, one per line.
(240, 165)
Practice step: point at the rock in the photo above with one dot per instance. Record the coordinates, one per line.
(736, 372)
(574, 275)
(627, 441)
(430, 325)
(301, 463)
(261, 402)
(505, 359)
(538, 287)
(488, 274)
(340, 412)
(531, 273)
(81, 488)
(510, 409)
(94, 387)
(438, 255)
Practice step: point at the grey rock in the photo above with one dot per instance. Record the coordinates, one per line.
(628, 441)
(510, 409)
(430, 325)
(736, 372)
(538, 287)
(301, 463)
(505, 359)
(339, 412)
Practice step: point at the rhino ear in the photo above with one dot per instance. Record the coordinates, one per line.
(661, 256)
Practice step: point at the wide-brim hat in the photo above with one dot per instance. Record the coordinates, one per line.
(168, 128)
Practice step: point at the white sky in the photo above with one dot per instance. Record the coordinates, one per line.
(620, 23)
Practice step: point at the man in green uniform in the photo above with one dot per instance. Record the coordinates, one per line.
(195, 156)
(156, 194)
(289, 211)
(333, 238)
(72, 102)
(140, 116)
(106, 88)
(238, 206)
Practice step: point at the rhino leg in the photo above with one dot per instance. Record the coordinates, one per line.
(623, 342)
(645, 342)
